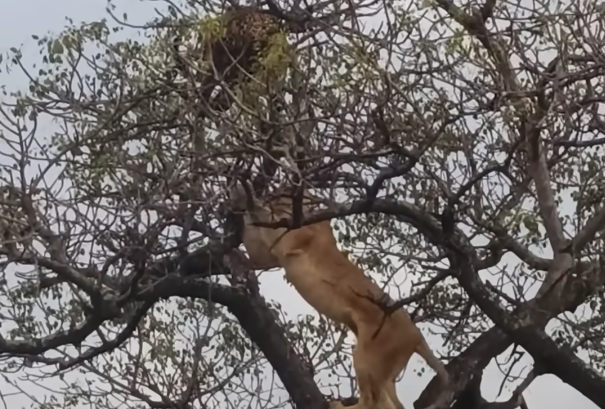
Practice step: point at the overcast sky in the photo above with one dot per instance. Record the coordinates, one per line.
(20, 19)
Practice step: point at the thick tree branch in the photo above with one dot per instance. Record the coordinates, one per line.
(41, 345)
(530, 317)
(522, 252)
(108, 345)
(594, 225)
(583, 279)
(247, 305)
(172, 285)
(472, 398)
(259, 322)
(550, 357)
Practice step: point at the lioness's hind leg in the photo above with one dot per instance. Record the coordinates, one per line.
(392, 392)
(372, 380)
(436, 365)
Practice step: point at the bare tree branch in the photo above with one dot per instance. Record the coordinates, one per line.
(529, 124)
(593, 226)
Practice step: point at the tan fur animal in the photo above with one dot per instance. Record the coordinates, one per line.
(338, 289)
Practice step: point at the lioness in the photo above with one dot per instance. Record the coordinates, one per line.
(338, 289)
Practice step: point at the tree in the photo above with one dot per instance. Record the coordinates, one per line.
(458, 143)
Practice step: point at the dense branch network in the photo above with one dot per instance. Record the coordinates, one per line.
(351, 130)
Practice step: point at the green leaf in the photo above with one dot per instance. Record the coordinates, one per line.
(57, 47)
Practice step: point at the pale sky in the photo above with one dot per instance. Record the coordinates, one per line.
(20, 19)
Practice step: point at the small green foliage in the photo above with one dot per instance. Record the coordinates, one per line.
(211, 28)
(275, 59)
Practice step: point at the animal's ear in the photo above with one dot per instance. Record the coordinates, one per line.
(240, 195)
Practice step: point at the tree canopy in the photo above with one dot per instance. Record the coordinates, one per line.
(458, 145)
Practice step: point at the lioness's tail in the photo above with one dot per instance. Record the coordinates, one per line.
(436, 365)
